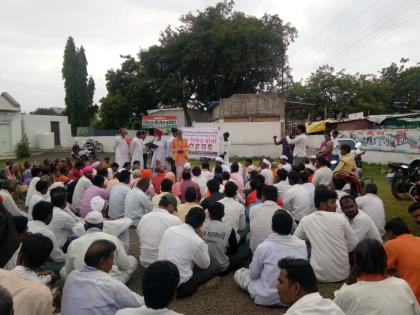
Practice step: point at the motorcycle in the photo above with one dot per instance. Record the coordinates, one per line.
(403, 179)
(88, 150)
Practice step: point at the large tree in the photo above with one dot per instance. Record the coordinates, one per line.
(215, 53)
(79, 87)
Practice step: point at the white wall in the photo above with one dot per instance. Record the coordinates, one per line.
(16, 130)
(34, 124)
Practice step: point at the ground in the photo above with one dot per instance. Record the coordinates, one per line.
(225, 297)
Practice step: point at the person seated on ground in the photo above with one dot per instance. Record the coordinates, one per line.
(213, 187)
(360, 222)
(63, 175)
(6, 302)
(347, 162)
(152, 226)
(219, 163)
(124, 265)
(283, 184)
(187, 183)
(205, 170)
(40, 194)
(158, 178)
(185, 247)
(304, 181)
(225, 178)
(118, 194)
(338, 186)
(373, 206)
(297, 287)
(97, 189)
(266, 172)
(91, 290)
(414, 211)
(112, 170)
(165, 189)
(42, 217)
(190, 198)
(260, 280)
(219, 237)
(82, 185)
(256, 182)
(36, 174)
(403, 253)
(21, 224)
(248, 168)
(77, 171)
(236, 176)
(30, 296)
(368, 290)
(297, 200)
(234, 211)
(62, 223)
(7, 189)
(200, 179)
(323, 175)
(137, 204)
(159, 284)
(331, 238)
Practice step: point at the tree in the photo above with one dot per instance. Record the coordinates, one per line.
(213, 54)
(79, 88)
(45, 111)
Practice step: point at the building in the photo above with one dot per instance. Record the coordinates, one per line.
(10, 124)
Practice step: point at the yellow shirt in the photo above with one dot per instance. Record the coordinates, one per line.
(185, 208)
(347, 163)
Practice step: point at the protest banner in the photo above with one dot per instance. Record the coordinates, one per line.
(163, 122)
(202, 142)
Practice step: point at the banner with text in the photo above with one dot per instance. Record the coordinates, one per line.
(162, 122)
(391, 140)
(202, 142)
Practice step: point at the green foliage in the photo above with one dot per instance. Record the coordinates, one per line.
(78, 86)
(22, 148)
(45, 111)
(213, 54)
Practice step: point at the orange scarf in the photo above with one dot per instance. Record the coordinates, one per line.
(175, 148)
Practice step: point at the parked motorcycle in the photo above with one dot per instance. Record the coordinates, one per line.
(88, 150)
(403, 179)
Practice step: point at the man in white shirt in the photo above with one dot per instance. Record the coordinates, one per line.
(360, 222)
(299, 151)
(297, 200)
(137, 148)
(137, 204)
(36, 173)
(323, 175)
(234, 211)
(224, 150)
(260, 280)
(200, 179)
(83, 183)
(42, 215)
(40, 194)
(303, 180)
(121, 148)
(118, 194)
(91, 290)
(8, 187)
(123, 266)
(297, 286)
(373, 206)
(184, 246)
(159, 284)
(152, 226)
(284, 160)
(205, 171)
(331, 238)
(283, 185)
(336, 146)
(62, 223)
(266, 172)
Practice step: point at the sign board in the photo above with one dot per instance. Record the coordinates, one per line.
(202, 142)
(358, 115)
(162, 122)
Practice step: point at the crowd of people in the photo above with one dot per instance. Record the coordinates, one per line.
(279, 227)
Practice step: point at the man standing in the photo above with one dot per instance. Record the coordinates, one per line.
(160, 153)
(299, 151)
(224, 151)
(287, 149)
(180, 152)
(137, 148)
(336, 146)
(121, 148)
(169, 150)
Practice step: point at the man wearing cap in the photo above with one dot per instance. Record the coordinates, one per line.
(82, 185)
(160, 153)
(152, 226)
(123, 265)
(121, 148)
(284, 160)
(137, 148)
(266, 172)
(180, 152)
(219, 161)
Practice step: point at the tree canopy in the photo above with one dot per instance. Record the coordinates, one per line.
(45, 111)
(214, 53)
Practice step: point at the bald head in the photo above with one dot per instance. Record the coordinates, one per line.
(98, 253)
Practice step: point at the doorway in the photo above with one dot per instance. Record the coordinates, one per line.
(55, 128)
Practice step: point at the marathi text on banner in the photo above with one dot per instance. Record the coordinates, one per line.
(202, 142)
(163, 122)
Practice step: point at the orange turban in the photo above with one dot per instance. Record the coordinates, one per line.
(146, 173)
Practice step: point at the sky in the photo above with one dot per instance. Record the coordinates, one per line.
(359, 36)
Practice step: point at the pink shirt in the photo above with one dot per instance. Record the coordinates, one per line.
(239, 180)
(91, 192)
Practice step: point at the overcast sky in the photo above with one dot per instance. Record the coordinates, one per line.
(360, 36)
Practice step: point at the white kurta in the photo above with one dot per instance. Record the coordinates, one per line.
(373, 206)
(314, 304)
(137, 149)
(144, 310)
(122, 151)
(364, 227)
(160, 153)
